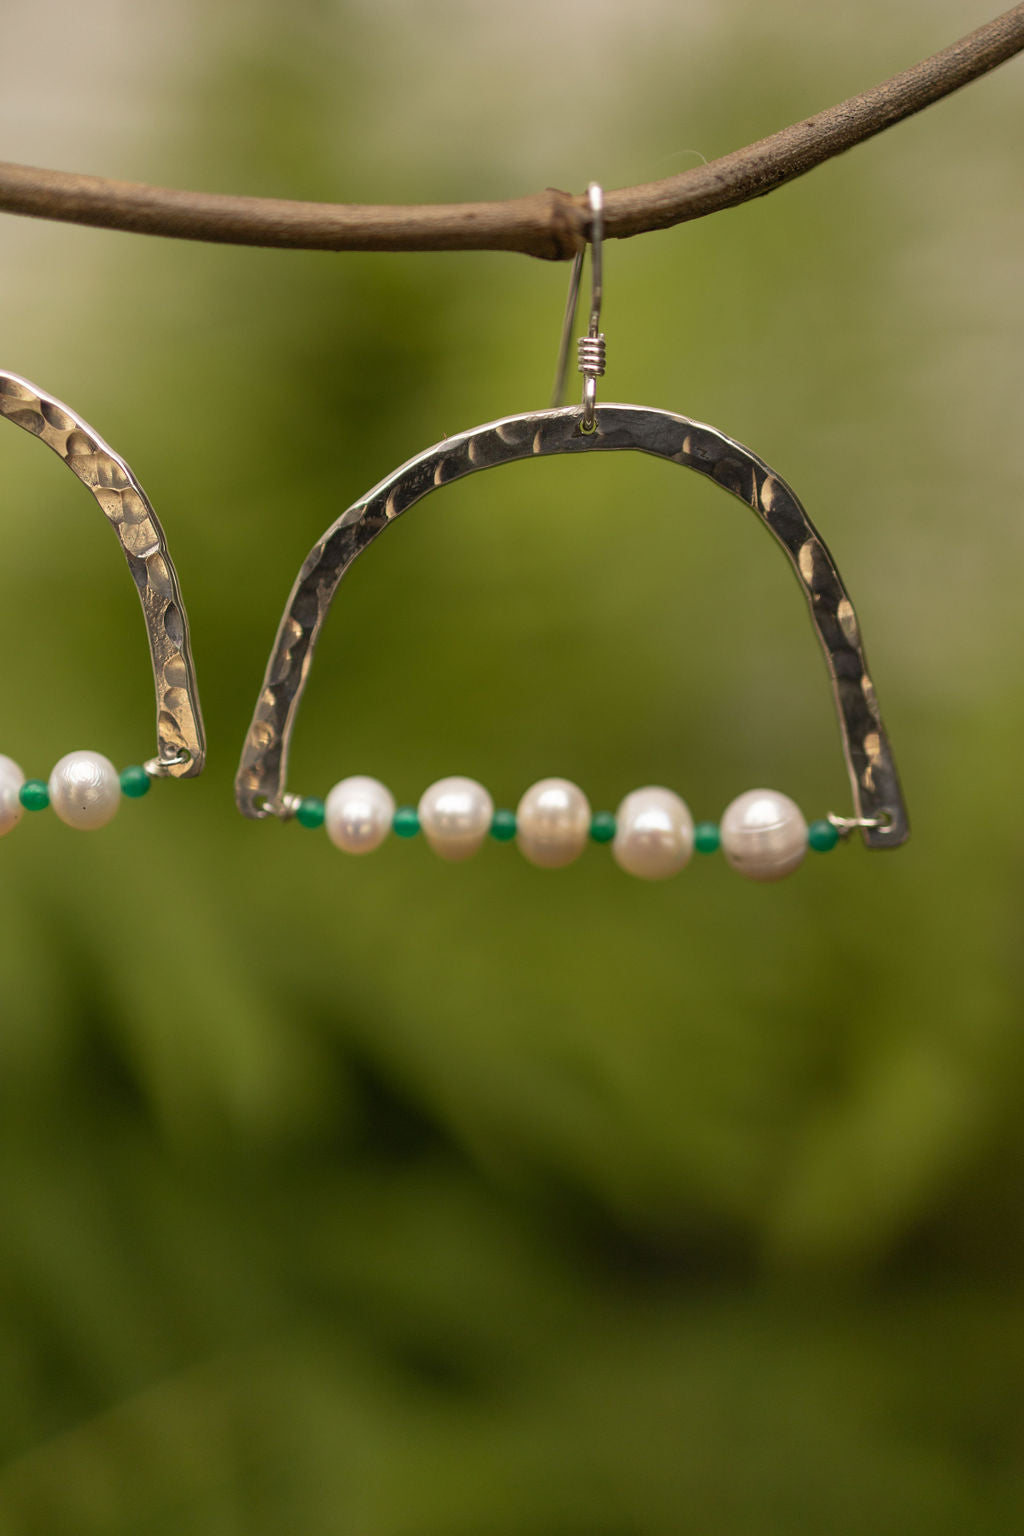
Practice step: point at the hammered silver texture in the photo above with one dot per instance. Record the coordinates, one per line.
(181, 743)
(880, 811)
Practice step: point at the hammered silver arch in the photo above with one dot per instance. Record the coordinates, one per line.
(880, 812)
(181, 742)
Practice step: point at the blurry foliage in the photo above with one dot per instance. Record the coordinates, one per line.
(399, 1199)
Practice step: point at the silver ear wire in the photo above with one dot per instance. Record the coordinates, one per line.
(591, 347)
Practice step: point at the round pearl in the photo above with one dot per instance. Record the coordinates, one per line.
(764, 835)
(455, 817)
(653, 834)
(553, 822)
(11, 780)
(357, 814)
(85, 790)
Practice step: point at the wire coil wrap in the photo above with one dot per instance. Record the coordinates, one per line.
(591, 351)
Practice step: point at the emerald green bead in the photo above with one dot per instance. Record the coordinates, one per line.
(503, 826)
(706, 837)
(602, 826)
(406, 821)
(135, 782)
(822, 836)
(310, 812)
(34, 795)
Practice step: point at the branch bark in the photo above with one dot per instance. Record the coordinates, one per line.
(548, 224)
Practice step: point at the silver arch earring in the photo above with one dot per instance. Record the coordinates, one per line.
(762, 834)
(84, 788)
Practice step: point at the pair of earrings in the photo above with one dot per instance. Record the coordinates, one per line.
(762, 834)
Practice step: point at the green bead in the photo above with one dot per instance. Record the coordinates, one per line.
(310, 812)
(34, 795)
(135, 782)
(706, 837)
(503, 826)
(406, 821)
(602, 827)
(822, 836)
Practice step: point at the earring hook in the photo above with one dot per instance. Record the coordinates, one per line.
(591, 348)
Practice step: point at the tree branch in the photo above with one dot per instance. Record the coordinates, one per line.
(549, 224)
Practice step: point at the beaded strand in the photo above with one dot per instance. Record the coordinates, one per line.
(84, 790)
(762, 834)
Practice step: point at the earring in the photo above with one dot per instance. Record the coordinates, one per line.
(762, 834)
(84, 788)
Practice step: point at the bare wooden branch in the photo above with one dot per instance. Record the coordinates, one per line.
(547, 224)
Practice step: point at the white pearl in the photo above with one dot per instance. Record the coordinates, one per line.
(357, 814)
(85, 790)
(764, 835)
(653, 834)
(455, 817)
(11, 780)
(552, 823)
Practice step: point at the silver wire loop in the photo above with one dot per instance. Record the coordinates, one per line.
(163, 767)
(844, 825)
(280, 808)
(591, 347)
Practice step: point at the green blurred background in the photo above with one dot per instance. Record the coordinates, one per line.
(394, 1198)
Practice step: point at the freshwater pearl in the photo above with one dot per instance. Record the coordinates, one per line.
(357, 814)
(653, 834)
(764, 835)
(11, 780)
(552, 821)
(85, 790)
(455, 817)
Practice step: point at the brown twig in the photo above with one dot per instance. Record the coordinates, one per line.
(548, 224)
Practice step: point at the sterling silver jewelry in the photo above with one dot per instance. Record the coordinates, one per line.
(84, 788)
(762, 834)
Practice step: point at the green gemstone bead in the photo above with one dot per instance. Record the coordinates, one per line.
(310, 812)
(135, 782)
(406, 821)
(602, 827)
(822, 836)
(34, 795)
(706, 837)
(503, 826)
